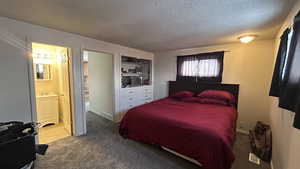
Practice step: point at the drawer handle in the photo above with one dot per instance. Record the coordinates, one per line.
(130, 92)
(130, 98)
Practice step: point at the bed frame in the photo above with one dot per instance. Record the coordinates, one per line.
(177, 86)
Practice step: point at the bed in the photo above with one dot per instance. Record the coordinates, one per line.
(202, 132)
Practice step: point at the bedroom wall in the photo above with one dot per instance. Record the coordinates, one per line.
(14, 87)
(249, 65)
(100, 83)
(286, 139)
(15, 96)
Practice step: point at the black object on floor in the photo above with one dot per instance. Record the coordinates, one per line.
(41, 149)
(17, 144)
(261, 141)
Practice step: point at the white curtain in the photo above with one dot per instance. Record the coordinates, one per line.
(201, 68)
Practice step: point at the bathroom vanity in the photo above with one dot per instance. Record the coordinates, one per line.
(48, 109)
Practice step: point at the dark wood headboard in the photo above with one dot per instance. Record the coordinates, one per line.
(175, 86)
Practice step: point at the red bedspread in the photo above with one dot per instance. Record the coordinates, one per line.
(204, 132)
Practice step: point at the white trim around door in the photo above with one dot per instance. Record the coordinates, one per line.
(75, 115)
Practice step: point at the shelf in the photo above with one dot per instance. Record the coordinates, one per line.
(135, 71)
(130, 74)
(130, 63)
(134, 86)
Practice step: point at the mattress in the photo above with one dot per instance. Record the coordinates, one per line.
(203, 132)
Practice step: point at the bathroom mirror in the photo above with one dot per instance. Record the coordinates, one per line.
(42, 71)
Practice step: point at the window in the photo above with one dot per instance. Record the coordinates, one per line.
(201, 68)
(207, 67)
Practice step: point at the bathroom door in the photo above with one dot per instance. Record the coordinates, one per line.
(65, 97)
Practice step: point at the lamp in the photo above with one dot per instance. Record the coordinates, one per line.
(247, 38)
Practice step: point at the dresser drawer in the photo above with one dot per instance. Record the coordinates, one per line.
(146, 95)
(127, 104)
(148, 98)
(148, 89)
(128, 91)
(133, 97)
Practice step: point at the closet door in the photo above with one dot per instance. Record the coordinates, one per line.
(14, 86)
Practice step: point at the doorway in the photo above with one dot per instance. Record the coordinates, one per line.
(51, 66)
(98, 84)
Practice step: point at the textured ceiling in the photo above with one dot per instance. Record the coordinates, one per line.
(155, 25)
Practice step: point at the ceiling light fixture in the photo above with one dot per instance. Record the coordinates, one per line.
(247, 38)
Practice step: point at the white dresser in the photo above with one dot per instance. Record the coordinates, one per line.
(135, 96)
(136, 83)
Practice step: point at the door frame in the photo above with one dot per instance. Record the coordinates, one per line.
(82, 82)
(31, 78)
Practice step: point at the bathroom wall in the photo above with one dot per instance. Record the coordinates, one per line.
(47, 86)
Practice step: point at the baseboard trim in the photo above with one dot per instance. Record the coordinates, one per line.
(271, 163)
(105, 115)
(242, 131)
(119, 116)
